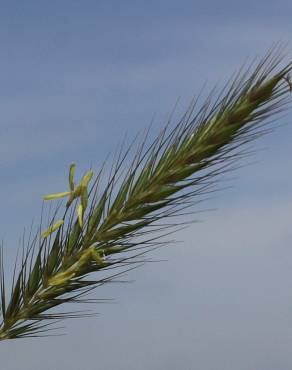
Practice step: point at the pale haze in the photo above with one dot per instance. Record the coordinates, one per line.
(75, 77)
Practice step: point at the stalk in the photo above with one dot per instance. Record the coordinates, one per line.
(179, 166)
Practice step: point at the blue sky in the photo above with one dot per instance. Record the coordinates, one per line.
(74, 77)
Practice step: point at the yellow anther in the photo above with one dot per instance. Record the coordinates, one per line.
(81, 190)
(71, 176)
(84, 197)
(52, 228)
(57, 195)
(88, 255)
(86, 178)
(80, 214)
(75, 192)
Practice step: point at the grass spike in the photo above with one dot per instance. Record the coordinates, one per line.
(114, 228)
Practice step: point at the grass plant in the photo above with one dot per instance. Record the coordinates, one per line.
(107, 227)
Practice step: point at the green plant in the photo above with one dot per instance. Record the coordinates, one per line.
(113, 227)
